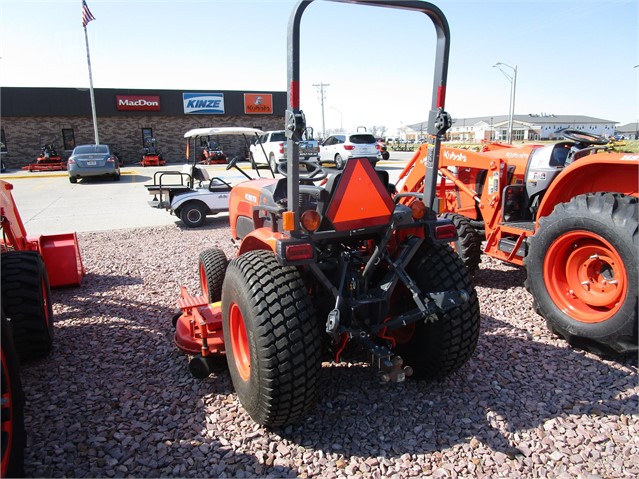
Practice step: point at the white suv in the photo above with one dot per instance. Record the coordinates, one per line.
(342, 146)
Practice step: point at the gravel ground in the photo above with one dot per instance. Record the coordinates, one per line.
(115, 399)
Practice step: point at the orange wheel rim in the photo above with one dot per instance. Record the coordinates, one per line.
(585, 276)
(204, 283)
(239, 342)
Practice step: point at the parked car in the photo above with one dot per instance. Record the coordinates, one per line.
(270, 148)
(93, 160)
(340, 147)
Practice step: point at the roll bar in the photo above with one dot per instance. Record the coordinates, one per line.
(438, 120)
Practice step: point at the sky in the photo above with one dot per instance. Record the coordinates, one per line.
(573, 57)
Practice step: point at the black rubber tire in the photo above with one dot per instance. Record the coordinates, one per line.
(193, 214)
(116, 177)
(73, 179)
(468, 245)
(385, 155)
(212, 264)
(613, 217)
(26, 299)
(339, 162)
(440, 348)
(13, 432)
(283, 336)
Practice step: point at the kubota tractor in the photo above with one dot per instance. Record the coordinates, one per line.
(29, 267)
(567, 212)
(323, 267)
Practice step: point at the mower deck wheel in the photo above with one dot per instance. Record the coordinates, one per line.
(212, 267)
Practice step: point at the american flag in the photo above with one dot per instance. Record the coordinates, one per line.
(87, 16)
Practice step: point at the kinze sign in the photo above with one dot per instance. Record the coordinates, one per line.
(203, 103)
(137, 102)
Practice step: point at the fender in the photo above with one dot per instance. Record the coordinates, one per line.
(261, 238)
(613, 172)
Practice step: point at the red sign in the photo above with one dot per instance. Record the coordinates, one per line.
(258, 103)
(137, 102)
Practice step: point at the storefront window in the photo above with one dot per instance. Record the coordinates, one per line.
(146, 133)
(68, 138)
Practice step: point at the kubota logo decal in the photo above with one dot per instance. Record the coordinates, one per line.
(137, 102)
(203, 103)
(258, 103)
(459, 157)
(516, 155)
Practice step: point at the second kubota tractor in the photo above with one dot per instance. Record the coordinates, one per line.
(567, 212)
(323, 267)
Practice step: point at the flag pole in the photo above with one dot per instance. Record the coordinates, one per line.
(87, 16)
(95, 119)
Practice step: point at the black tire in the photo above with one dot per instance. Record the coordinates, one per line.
(26, 299)
(13, 432)
(193, 214)
(339, 162)
(116, 177)
(437, 349)
(385, 155)
(212, 264)
(272, 339)
(598, 234)
(73, 179)
(468, 245)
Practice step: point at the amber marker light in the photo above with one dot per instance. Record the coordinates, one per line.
(418, 209)
(310, 220)
(288, 221)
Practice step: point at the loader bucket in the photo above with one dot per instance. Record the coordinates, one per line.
(62, 259)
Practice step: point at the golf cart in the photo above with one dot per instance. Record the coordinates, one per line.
(191, 194)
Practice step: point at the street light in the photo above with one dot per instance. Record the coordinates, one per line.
(340, 118)
(512, 78)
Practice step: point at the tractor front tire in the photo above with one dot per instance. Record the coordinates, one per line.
(436, 349)
(212, 264)
(26, 299)
(272, 339)
(468, 244)
(582, 272)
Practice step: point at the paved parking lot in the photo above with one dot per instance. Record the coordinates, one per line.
(49, 204)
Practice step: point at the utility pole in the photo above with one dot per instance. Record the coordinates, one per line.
(320, 87)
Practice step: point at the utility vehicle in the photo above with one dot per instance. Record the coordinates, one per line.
(323, 267)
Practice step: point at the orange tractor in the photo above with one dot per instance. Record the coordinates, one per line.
(326, 267)
(48, 160)
(567, 212)
(29, 267)
(151, 155)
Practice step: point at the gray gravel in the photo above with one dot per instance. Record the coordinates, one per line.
(115, 399)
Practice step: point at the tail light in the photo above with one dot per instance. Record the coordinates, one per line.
(418, 209)
(378, 146)
(71, 161)
(349, 147)
(444, 232)
(310, 220)
(110, 159)
(299, 252)
(281, 148)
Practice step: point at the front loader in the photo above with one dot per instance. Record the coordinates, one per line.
(326, 263)
(568, 212)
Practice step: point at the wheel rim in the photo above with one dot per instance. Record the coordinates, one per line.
(585, 276)
(204, 283)
(194, 215)
(239, 342)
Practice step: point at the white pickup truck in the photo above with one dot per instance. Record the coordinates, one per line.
(270, 148)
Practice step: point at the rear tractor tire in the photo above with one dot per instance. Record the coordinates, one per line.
(26, 299)
(272, 339)
(468, 245)
(582, 272)
(212, 264)
(435, 349)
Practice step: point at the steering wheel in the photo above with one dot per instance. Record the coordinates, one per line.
(583, 137)
(232, 162)
(314, 171)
